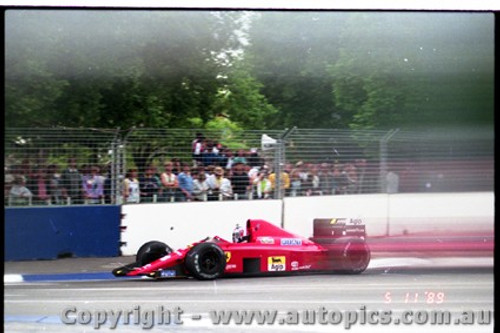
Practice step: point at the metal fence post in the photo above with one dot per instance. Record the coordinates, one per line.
(116, 170)
(279, 162)
(383, 158)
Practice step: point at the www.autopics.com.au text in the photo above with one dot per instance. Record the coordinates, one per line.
(149, 317)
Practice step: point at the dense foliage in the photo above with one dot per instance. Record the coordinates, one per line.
(254, 70)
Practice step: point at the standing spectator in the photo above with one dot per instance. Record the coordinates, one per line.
(254, 172)
(300, 179)
(295, 183)
(200, 186)
(306, 179)
(254, 158)
(315, 181)
(55, 189)
(25, 170)
(8, 183)
(288, 169)
(176, 166)
(219, 186)
(301, 169)
(338, 180)
(71, 181)
(226, 159)
(185, 181)
(217, 146)
(40, 186)
(351, 178)
(284, 181)
(169, 183)
(109, 196)
(209, 170)
(150, 185)
(262, 185)
(325, 179)
(93, 186)
(240, 181)
(209, 157)
(19, 194)
(240, 158)
(131, 187)
(360, 165)
(197, 148)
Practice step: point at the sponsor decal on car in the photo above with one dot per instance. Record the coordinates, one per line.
(228, 256)
(167, 273)
(275, 264)
(356, 221)
(346, 220)
(339, 220)
(231, 267)
(296, 267)
(291, 241)
(265, 240)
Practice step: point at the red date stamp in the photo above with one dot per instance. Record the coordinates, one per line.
(427, 297)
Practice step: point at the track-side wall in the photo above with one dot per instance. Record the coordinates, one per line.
(180, 224)
(384, 215)
(52, 232)
(398, 214)
(94, 231)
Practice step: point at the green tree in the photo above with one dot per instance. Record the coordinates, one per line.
(31, 89)
(414, 70)
(368, 85)
(290, 52)
(241, 100)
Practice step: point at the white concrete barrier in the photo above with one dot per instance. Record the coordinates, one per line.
(179, 224)
(300, 212)
(441, 212)
(397, 214)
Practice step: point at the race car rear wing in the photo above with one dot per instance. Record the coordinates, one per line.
(338, 227)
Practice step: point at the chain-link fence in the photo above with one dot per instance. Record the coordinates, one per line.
(62, 166)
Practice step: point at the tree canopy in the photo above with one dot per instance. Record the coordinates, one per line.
(259, 70)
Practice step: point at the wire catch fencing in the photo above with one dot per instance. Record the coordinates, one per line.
(66, 166)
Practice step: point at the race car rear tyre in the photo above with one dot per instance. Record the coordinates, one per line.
(151, 251)
(355, 256)
(206, 261)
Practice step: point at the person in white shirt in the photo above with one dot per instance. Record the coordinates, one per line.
(200, 186)
(219, 186)
(19, 194)
(131, 188)
(262, 185)
(169, 183)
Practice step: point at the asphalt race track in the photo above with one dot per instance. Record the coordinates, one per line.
(91, 302)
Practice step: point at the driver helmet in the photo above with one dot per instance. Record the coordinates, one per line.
(238, 234)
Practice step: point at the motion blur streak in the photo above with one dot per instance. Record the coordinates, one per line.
(466, 244)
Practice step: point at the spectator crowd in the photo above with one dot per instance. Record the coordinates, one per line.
(214, 173)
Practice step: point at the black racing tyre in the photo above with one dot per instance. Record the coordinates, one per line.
(205, 261)
(151, 251)
(355, 256)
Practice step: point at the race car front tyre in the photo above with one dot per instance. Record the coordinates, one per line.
(151, 251)
(205, 261)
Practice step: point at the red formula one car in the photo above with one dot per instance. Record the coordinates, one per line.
(337, 245)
